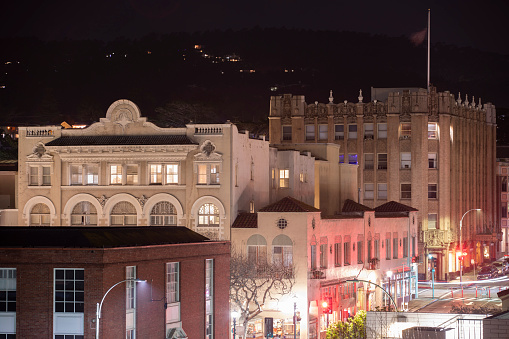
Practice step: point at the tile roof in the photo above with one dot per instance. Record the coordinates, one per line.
(246, 220)
(393, 206)
(289, 204)
(351, 206)
(97, 237)
(101, 140)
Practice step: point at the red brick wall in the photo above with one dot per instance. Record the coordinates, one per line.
(104, 268)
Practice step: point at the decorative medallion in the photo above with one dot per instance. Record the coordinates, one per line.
(39, 150)
(207, 148)
(142, 200)
(102, 200)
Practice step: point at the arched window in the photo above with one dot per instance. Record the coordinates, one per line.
(163, 214)
(40, 215)
(208, 215)
(257, 250)
(123, 214)
(282, 250)
(84, 213)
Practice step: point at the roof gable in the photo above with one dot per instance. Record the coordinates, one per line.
(351, 206)
(246, 220)
(289, 204)
(394, 207)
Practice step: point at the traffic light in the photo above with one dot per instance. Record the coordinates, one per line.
(327, 306)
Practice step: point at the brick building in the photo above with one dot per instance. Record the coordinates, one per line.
(51, 279)
(428, 150)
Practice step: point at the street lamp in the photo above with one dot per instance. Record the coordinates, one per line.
(99, 306)
(380, 287)
(235, 314)
(461, 243)
(389, 275)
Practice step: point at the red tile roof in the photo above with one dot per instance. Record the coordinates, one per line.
(289, 204)
(393, 206)
(352, 206)
(246, 220)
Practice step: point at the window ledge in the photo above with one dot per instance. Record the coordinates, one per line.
(208, 186)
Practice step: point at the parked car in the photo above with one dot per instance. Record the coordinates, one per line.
(502, 266)
(487, 272)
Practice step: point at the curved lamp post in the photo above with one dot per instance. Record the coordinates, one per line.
(369, 282)
(234, 315)
(461, 244)
(100, 305)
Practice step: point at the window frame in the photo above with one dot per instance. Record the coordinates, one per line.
(207, 216)
(339, 132)
(382, 133)
(405, 130)
(208, 174)
(352, 131)
(369, 191)
(433, 222)
(286, 132)
(432, 191)
(433, 132)
(284, 178)
(369, 133)
(381, 162)
(407, 192)
(432, 160)
(369, 161)
(323, 132)
(406, 160)
(310, 132)
(378, 195)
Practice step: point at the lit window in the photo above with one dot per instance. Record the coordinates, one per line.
(310, 132)
(382, 161)
(163, 214)
(284, 178)
(432, 191)
(123, 214)
(382, 191)
(208, 174)
(116, 174)
(432, 130)
(352, 131)
(339, 132)
(172, 292)
(323, 132)
(132, 174)
(214, 174)
(208, 215)
(369, 161)
(368, 131)
(406, 191)
(84, 213)
(406, 160)
(352, 159)
(287, 132)
(202, 174)
(209, 298)
(382, 131)
(432, 221)
(76, 174)
(369, 191)
(156, 174)
(84, 174)
(130, 301)
(405, 130)
(432, 160)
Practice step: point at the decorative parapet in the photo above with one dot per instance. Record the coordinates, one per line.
(208, 130)
(436, 238)
(39, 132)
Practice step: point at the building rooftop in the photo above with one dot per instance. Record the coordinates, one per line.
(96, 237)
(289, 204)
(394, 207)
(121, 140)
(351, 206)
(246, 220)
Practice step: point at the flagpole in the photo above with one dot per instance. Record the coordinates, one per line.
(429, 11)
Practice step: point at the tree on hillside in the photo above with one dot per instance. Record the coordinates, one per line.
(254, 283)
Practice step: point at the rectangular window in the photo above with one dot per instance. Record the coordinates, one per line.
(369, 161)
(382, 161)
(76, 174)
(214, 174)
(382, 131)
(504, 184)
(156, 174)
(395, 247)
(346, 251)
(341, 158)
(406, 160)
(339, 132)
(282, 255)
(368, 131)
(432, 221)
(323, 132)
(132, 174)
(388, 247)
(323, 255)
(209, 298)
(369, 191)
(432, 130)
(7, 290)
(33, 176)
(91, 174)
(130, 302)
(432, 191)
(208, 174)
(202, 174)
(257, 254)
(313, 257)
(405, 130)
(284, 178)
(432, 160)
(69, 290)
(352, 159)
(46, 175)
(406, 191)
(382, 191)
(172, 292)
(273, 177)
(172, 174)
(370, 251)
(405, 247)
(310, 132)
(360, 252)
(377, 248)
(504, 210)
(413, 246)
(352, 131)
(287, 132)
(337, 254)
(116, 174)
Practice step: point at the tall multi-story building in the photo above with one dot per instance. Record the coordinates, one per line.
(503, 195)
(428, 150)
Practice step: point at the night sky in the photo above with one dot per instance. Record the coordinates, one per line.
(473, 23)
